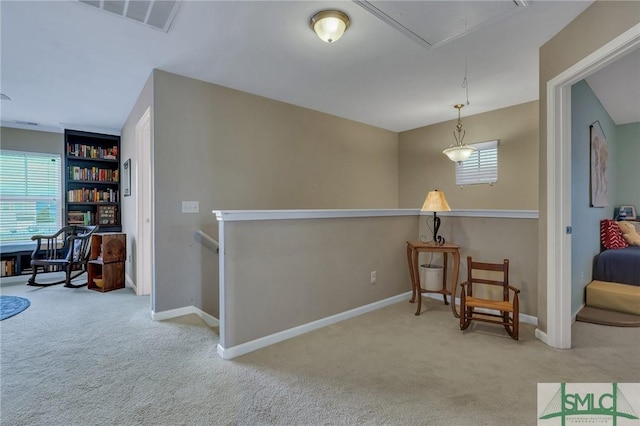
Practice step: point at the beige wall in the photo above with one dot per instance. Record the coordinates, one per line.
(597, 25)
(32, 141)
(423, 167)
(489, 239)
(284, 273)
(233, 150)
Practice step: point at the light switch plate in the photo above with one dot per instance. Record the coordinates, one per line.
(190, 206)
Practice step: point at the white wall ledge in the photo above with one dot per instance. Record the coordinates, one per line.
(510, 214)
(246, 215)
(241, 215)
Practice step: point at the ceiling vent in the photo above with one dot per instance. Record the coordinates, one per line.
(157, 14)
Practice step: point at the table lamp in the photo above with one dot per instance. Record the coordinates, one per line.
(436, 202)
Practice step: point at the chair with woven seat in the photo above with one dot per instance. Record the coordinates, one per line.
(484, 308)
(67, 250)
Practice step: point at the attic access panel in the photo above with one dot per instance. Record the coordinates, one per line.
(434, 23)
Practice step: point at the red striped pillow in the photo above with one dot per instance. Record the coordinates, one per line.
(611, 235)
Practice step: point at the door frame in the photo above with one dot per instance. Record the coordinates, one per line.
(145, 252)
(558, 212)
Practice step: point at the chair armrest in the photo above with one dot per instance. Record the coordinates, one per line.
(50, 243)
(465, 283)
(515, 290)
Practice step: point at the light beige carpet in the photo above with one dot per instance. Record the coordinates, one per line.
(78, 357)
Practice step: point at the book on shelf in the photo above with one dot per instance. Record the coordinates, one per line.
(8, 267)
(90, 151)
(93, 174)
(80, 218)
(93, 195)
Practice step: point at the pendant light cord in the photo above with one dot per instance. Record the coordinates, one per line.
(465, 80)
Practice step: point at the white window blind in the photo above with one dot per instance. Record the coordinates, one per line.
(481, 167)
(30, 195)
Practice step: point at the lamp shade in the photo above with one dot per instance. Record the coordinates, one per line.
(329, 25)
(436, 202)
(459, 153)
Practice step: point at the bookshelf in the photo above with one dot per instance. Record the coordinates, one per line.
(92, 180)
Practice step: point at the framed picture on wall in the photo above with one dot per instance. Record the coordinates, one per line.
(126, 178)
(599, 165)
(628, 212)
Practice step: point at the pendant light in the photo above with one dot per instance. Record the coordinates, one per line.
(459, 152)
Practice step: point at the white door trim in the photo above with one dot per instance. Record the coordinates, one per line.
(559, 314)
(144, 207)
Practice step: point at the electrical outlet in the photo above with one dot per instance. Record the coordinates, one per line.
(373, 277)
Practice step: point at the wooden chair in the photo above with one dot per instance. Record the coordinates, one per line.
(509, 309)
(66, 250)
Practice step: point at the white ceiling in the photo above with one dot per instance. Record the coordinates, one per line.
(68, 65)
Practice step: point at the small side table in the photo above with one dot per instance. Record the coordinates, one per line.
(415, 247)
(106, 261)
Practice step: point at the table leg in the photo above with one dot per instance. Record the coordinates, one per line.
(444, 278)
(416, 274)
(413, 280)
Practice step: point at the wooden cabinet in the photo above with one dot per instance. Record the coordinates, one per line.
(92, 179)
(106, 261)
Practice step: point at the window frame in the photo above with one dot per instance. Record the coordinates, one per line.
(479, 169)
(49, 198)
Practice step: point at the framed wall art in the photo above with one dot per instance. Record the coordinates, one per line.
(126, 178)
(599, 166)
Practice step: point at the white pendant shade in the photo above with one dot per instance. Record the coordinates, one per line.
(329, 25)
(459, 152)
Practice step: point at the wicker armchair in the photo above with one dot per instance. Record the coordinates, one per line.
(67, 250)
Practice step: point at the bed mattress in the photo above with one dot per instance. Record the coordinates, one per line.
(618, 265)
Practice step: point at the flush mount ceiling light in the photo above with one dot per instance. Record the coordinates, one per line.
(329, 25)
(459, 152)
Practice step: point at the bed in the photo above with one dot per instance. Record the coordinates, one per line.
(620, 265)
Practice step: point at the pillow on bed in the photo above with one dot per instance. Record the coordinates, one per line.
(611, 235)
(629, 233)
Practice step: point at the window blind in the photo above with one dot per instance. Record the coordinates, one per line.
(481, 167)
(30, 195)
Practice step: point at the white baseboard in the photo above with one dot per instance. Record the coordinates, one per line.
(129, 281)
(187, 310)
(542, 336)
(245, 348)
(527, 319)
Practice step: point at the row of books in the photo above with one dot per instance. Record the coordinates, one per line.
(93, 173)
(8, 268)
(106, 215)
(93, 195)
(81, 218)
(90, 151)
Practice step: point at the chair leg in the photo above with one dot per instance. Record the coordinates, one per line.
(32, 279)
(464, 312)
(69, 277)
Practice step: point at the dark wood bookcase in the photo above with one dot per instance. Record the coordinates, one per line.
(92, 180)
